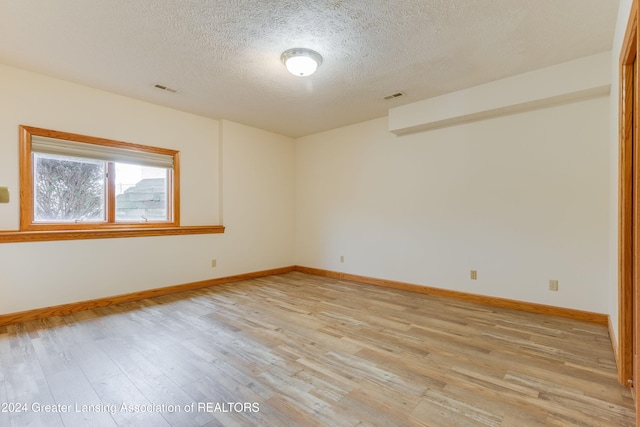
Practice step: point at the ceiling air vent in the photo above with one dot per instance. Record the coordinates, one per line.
(163, 87)
(394, 95)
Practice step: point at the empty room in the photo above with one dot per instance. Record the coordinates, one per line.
(319, 213)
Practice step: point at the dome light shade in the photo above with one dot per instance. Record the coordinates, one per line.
(300, 61)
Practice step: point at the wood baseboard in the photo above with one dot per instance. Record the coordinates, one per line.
(614, 342)
(58, 310)
(530, 307)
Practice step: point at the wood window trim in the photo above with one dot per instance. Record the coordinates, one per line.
(107, 233)
(30, 232)
(26, 183)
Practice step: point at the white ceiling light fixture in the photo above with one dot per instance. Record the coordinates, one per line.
(301, 61)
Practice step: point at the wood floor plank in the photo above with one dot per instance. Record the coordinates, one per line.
(73, 393)
(27, 386)
(313, 351)
(117, 391)
(5, 418)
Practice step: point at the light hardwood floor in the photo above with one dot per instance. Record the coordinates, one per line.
(302, 350)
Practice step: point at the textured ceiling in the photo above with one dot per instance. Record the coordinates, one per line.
(223, 56)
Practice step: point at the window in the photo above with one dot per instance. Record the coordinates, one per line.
(77, 182)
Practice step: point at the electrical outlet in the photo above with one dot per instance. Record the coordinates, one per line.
(553, 285)
(214, 263)
(474, 275)
(4, 195)
(342, 259)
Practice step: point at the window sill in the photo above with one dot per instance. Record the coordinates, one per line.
(41, 236)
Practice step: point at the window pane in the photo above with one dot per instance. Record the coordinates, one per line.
(141, 193)
(68, 189)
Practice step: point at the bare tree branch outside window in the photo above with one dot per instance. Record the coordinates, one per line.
(68, 190)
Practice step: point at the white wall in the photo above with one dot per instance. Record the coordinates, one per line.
(570, 81)
(621, 26)
(42, 274)
(521, 198)
(258, 197)
(36, 100)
